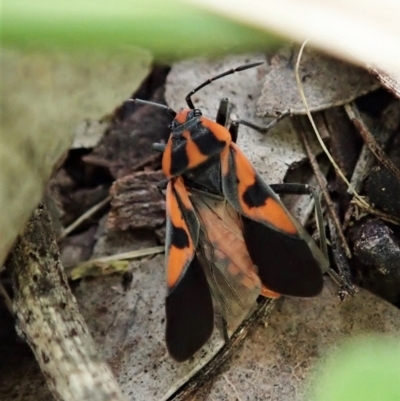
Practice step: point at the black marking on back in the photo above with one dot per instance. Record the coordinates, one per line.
(179, 158)
(254, 196)
(206, 141)
(206, 177)
(179, 238)
(285, 263)
(190, 313)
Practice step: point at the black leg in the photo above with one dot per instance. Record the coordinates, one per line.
(234, 127)
(233, 130)
(223, 112)
(264, 130)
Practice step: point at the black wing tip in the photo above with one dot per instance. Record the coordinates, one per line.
(286, 264)
(309, 289)
(181, 351)
(190, 313)
(307, 285)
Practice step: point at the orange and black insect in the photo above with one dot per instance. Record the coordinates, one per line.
(228, 238)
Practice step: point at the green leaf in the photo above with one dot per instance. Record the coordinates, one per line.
(169, 29)
(363, 369)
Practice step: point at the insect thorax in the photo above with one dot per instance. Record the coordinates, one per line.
(206, 177)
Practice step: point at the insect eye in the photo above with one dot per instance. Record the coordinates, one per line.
(197, 113)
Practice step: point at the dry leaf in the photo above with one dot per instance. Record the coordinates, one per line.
(327, 82)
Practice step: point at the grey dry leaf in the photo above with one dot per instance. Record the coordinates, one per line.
(388, 79)
(271, 154)
(276, 360)
(327, 82)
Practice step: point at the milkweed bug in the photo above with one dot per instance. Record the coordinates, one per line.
(228, 236)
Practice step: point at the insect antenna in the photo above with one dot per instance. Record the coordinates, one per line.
(224, 74)
(161, 106)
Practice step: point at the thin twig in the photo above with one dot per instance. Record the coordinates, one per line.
(322, 184)
(7, 299)
(366, 158)
(124, 256)
(85, 216)
(382, 215)
(148, 160)
(369, 139)
(364, 164)
(341, 263)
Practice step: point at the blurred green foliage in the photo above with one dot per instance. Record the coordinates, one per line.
(169, 29)
(363, 369)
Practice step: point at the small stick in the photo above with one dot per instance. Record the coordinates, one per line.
(139, 253)
(341, 263)
(382, 215)
(369, 139)
(321, 182)
(363, 165)
(148, 160)
(85, 216)
(7, 299)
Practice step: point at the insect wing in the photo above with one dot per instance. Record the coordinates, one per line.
(287, 259)
(231, 275)
(189, 307)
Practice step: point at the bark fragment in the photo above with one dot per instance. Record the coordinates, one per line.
(48, 317)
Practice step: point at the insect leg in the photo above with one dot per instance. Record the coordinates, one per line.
(264, 130)
(304, 189)
(223, 112)
(233, 130)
